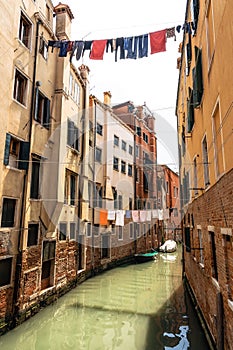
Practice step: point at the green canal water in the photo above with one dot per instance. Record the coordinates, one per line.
(133, 307)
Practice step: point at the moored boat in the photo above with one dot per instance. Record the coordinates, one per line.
(169, 246)
(144, 257)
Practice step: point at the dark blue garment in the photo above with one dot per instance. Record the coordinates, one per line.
(143, 46)
(109, 43)
(178, 28)
(120, 44)
(78, 45)
(63, 48)
(87, 45)
(132, 47)
(54, 44)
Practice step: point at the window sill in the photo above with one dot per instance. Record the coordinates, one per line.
(15, 169)
(216, 284)
(19, 103)
(201, 266)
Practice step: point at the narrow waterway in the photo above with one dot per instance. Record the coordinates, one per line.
(133, 307)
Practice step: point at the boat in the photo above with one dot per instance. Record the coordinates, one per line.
(169, 246)
(144, 257)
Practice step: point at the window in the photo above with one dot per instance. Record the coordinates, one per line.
(137, 151)
(43, 49)
(123, 145)
(20, 88)
(137, 174)
(5, 271)
(123, 166)
(194, 9)
(120, 233)
(218, 142)
(138, 130)
(99, 129)
(195, 184)
(48, 263)
(120, 201)
(174, 191)
(35, 177)
(205, 162)
(138, 230)
(8, 212)
(73, 135)
(42, 109)
(145, 182)
(116, 140)
(98, 155)
(187, 239)
(115, 163)
(197, 79)
(145, 137)
(88, 228)
(33, 230)
(105, 246)
(213, 258)
(115, 198)
(229, 273)
(62, 231)
(71, 85)
(99, 196)
(130, 170)
(91, 136)
(48, 13)
(25, 28)
(76, 92)
(200, 238)
(96, 229)
(72, 230)
(130, 204)
(188, 54)
(71, 181)
(16, 153)
(210, 31)
(130, 149)
(190, 111)
(131, 233)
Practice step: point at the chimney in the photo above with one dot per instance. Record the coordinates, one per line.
(64, 17)
(107, 98)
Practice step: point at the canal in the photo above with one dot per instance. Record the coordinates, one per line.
(133, 307)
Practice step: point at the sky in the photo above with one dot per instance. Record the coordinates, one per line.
(152, 79)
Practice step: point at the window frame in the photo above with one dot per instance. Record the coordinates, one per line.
(99, 129)
(5, 212)
(25, 22)
(8, 280)
(35, 224)
(116, 141)
(98, 155)
(20, 87)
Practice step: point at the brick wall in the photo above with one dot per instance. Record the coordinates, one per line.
(212, 211)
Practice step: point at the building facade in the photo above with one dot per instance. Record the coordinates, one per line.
(204, 113)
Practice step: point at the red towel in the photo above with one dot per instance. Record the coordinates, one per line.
(97, 50)
(158, 41)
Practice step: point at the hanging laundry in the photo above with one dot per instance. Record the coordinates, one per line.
(148, 215)
(132, 47)
(135, 215)
(155, 214)
(142, 215)
(63, 48)
(97, 50)
(53, 44)
(171, 33)
(120, 217)
(160, 212)
(87, 45)
(70, 46)
(111, 215)
(120, 44)
(128, 214)
(178, 28)
(78, 47)
(158, 41)
(143, 46)
(112, 44)
(103, 217)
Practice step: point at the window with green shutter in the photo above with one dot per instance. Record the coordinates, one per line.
(197, 79)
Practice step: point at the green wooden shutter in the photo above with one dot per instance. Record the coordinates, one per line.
(46, 118)
(24, 155)
(7, 149)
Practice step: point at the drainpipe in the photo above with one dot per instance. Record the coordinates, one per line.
(94, 193)
(18, 269)
(135, 181)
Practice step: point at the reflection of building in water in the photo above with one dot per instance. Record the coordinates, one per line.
(178, 341)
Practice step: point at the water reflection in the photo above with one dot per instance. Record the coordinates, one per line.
(138, 307)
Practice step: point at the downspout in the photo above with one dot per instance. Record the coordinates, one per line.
(135, 181)
(18, 269)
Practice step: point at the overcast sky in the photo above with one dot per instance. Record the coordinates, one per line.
(152, 79)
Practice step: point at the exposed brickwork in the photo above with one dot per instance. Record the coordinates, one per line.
(212, 211)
